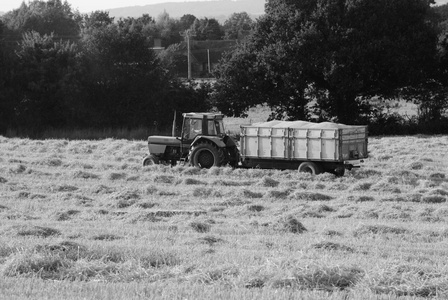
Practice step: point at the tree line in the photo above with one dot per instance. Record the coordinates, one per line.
(63, 69)
(309, 60)
(327, 60)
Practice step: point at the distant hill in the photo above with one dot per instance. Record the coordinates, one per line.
(218, 9)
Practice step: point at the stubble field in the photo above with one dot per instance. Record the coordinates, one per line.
(84, 220)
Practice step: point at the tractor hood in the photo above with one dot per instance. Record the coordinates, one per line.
(164, 140)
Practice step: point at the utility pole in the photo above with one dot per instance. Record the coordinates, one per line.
(187, 34)
(208, 60)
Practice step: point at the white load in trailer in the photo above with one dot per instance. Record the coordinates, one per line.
(311, 147)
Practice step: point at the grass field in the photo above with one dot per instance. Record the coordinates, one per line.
(84, 220)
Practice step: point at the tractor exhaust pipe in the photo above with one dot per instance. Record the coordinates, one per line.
(173, 132)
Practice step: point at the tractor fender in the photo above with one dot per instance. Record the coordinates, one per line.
(214, 139)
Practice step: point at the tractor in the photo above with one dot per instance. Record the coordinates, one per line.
(202, 143)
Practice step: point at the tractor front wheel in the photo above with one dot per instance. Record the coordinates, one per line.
(205, 155)
(150, 160)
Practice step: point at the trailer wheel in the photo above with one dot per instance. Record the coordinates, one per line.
(310, 167)
(339, 171)
(150, 160)
(206, 155)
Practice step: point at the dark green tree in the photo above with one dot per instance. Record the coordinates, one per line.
(186, 21)
(173, 57)
(96, 20)
(144, 25)
(51, 17)
(431, 94)
(7, 64)
(237, 26)
(333, 51)
(168, 29)
(125, 82)
(207, 29)
(43, 67)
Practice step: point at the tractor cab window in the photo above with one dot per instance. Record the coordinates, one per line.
(192, 128)
(220, 126)
(211, 127)
(215, 127)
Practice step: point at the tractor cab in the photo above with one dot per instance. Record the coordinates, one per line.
(197, 124)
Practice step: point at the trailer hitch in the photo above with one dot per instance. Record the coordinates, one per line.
(350, 166)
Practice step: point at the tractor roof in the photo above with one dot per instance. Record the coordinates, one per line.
(195, 115)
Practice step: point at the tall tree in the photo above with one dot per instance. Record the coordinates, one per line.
(126, 85)
(43, 66)
(207, 29)
(431, 95)
(335, 51)
(237, 26)
(186, 21)
(7, 63)
(144, 25)
(51, 17)
(168, 29)
(96, 20)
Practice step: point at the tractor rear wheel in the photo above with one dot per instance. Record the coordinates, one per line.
(150, 160)
(310, 167)
(206, 155)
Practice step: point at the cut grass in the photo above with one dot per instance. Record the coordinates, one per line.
(332, 246)
(70, 261)
(200, 227)
(321, 278)
(291, 224)
(193, 181)
(310, 196)
(408, 281)
(378, 229)
(36, 231)
(139, 232)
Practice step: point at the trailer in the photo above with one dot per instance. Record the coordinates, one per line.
(306, 146)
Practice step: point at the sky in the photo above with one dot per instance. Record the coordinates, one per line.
(86, 6)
